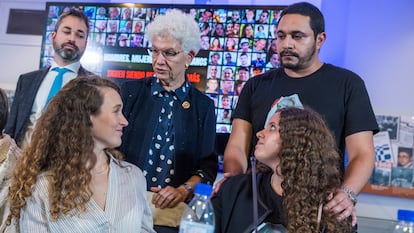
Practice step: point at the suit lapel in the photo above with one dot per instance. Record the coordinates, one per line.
(29, 96)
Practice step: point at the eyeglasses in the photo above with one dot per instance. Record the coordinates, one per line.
(168, 54)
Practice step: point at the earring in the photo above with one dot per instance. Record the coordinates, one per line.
(186, 66)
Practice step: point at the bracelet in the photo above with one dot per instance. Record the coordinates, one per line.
(190, 191)
(188, 187)
(352, 196)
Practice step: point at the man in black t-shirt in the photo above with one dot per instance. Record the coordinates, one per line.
(337, 94)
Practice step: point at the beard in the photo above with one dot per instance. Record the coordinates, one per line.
(302, 61)
(68, 54)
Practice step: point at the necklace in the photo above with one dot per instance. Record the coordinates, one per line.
(99, 172)
(99, 186)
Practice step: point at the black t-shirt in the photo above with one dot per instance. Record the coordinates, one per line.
(339, 95)
(272, 200)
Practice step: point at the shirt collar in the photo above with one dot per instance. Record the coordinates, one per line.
(180, 92)
(74, 67)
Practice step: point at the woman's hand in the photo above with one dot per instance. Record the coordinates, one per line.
(168, 197)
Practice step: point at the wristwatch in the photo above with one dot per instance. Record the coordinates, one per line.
(352, 196)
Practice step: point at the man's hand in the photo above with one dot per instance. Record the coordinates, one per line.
(218, 184)
(341, 206)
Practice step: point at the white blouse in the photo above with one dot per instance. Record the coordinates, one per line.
(127, 209)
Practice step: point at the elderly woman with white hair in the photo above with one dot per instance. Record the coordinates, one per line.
(171, 131)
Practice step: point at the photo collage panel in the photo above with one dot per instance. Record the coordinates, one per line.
(237, 43)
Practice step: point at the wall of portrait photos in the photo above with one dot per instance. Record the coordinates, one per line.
(343, 48)
(237, 42)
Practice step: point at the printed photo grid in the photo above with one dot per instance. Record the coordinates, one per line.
(237, 43)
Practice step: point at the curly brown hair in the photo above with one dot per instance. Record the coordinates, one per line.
(62, 145)
(310, 169)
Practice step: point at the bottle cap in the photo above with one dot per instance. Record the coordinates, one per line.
(406, 215)
(203, 189)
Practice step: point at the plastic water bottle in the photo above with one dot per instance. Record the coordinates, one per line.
(199, 214)
(405, 222)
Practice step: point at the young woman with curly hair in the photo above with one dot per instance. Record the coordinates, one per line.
(70, 179)
(300, 150)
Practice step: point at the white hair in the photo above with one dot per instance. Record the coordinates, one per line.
(178, 25)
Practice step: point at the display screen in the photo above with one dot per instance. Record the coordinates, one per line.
(237, 42)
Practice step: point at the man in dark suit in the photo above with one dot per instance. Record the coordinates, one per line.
(32, 91)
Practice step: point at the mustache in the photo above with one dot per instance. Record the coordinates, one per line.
(71, 44)
(287, 52)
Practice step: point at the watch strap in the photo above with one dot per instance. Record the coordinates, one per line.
(351, 194)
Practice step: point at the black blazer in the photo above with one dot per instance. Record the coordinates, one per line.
(194, 131)
(26, 91)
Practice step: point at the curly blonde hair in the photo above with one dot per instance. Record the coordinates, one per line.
(62, 145)
(310, 169)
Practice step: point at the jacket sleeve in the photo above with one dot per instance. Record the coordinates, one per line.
(209, 161)
(10, 128)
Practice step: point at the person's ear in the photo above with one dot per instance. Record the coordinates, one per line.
(320, 39)
(191, 54)
(53, 35)
(190, 57)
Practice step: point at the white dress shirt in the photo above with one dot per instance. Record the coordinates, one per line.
(42, 94)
